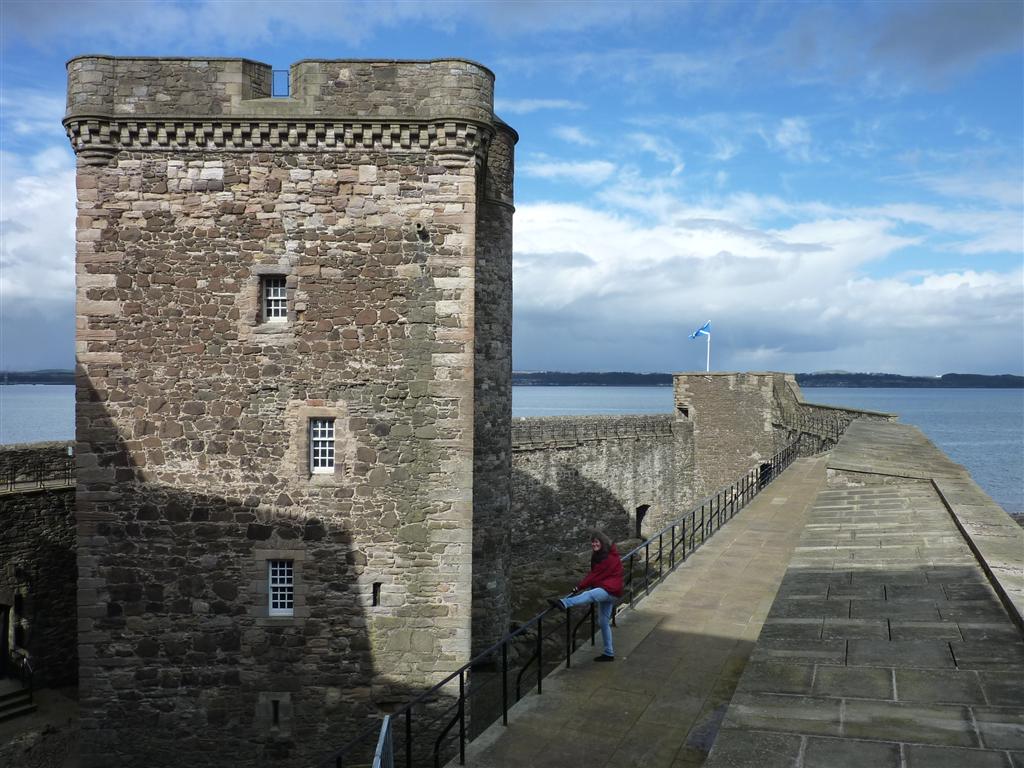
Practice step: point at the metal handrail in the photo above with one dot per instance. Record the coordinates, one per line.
(384, 755)
(715, 509)
(38, 474)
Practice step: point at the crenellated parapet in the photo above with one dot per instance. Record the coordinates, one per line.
(441, 107)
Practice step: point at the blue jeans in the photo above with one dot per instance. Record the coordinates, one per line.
(605, 606)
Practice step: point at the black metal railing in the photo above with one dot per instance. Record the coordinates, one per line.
(436, 725)
(19, 666)
(43, 473)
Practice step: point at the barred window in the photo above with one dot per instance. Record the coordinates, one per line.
(281, 580)
(275, 299)
(321, 446)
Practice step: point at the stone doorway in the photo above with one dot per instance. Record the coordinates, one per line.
(641, 513)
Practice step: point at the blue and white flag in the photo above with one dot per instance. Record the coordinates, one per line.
(704, 330)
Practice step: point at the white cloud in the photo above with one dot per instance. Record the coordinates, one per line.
(574, 135)
(588, 173)
(37, 254)
(661, 148)
(792, 137)
(526, 106)
(31, 113)
(797, 296)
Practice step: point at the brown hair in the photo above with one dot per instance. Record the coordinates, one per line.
(597, 533)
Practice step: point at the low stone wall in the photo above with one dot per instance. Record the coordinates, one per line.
(38, 574)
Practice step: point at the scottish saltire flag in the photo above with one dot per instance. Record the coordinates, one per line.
(704, 330)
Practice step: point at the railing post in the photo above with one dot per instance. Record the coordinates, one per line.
(647, 569)
(462, 718)
(684, 539)
(540, 654)
(632, 599)
(672, 550)
(568, 638)
(661, 555)
(408, 738)
(504, 683)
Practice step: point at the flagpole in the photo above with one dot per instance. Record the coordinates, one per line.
(709, 354)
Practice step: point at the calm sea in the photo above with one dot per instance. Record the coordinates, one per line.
(983, 429)
(32, 413)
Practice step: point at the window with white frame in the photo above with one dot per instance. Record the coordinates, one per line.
(274, 294)
(281, 583)
(321, 446)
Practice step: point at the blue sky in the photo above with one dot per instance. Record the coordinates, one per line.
(834, 186)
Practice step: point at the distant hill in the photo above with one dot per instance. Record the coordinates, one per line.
(626, 379)
(946, 381)
(810, 380)
(49, 376)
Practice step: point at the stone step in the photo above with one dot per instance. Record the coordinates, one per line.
(15, 695)
(12, 708)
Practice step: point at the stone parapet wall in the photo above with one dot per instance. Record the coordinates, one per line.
(576, 472)
(37, 569)
(736, 421)
(540, 432)
(144, 86)
(428, 89)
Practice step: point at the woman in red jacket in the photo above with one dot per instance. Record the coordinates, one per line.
(603, 585)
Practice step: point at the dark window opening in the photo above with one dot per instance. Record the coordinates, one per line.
(684, 411)
(275, 706)
(376, 593)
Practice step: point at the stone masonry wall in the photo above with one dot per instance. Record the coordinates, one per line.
(37, 567)
(492, 451)
(193, 413)
(572, 473)
(735, 422)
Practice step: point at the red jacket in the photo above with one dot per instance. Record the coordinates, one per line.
(605, 573)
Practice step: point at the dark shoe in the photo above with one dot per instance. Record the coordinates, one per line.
(604, 657)
(555, 603)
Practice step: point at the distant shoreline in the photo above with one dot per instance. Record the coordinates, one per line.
(807, 380)
(626, 379)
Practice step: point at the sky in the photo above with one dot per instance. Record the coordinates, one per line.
(835, 186)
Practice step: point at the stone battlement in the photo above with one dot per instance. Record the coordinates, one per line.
(149, 86)
(143, 103)
(537, 432)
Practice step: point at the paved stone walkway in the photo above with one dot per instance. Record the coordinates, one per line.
(887, 646)
(680, 653)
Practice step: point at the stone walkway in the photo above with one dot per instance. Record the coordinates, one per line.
(680, 653)
(887, 645)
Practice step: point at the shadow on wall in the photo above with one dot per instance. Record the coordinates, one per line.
(37, 584)
(550, 533)
(182, 661)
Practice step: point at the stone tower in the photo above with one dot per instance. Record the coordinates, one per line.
(294, 397)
